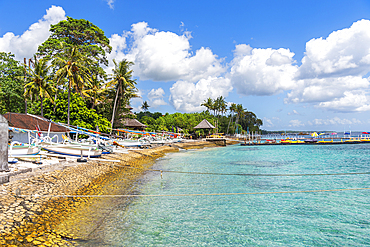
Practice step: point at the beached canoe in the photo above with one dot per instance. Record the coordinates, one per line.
(73, 150)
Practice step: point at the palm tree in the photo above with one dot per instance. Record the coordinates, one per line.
(208, 103)
(145, 106)
(232, 110)
(38, 81)
(72, 65)
(240, 111)
(96, 92)
(121, 78)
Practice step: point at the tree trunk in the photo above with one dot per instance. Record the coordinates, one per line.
(69, 102)
(229, 124)
(114, 110)
(42, 109)
(55, 101)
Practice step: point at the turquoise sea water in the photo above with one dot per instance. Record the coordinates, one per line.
(288, 219)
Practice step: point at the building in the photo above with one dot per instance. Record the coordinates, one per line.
(26, 127)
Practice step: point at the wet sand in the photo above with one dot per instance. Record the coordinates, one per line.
(37, 210)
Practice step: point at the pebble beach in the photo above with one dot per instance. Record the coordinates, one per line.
(49, 207)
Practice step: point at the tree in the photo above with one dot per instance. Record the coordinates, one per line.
(240, 111)
(124, 85)
(81, 115)
(89, 39)
(96, 92)
(145, 106)
(72, 64)
(232, 110)
(208, 103)
(38, 81)
(11, 85)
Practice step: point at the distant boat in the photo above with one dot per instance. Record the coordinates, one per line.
(311, 140)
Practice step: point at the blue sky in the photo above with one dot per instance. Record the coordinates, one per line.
(299, 65)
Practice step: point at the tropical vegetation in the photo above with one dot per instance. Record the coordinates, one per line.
(65, 81)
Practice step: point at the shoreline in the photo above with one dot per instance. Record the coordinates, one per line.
(35, 209)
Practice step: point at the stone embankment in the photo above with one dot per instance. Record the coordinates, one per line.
(36, 209)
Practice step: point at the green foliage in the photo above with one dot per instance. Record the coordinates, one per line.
(89, 38)
(169, 122)
(11, 86)
(80, 114)
(154, 115)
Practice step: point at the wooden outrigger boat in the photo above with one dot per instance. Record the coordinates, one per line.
(73, 150)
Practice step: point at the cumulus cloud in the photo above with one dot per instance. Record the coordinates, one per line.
(294, 112)
(187, 96)
(268, 122)
(295, 123)
(343, 53)
(262, 71)
(165, 56)
(334, 121)
(156, 97)
(332, 72)
(25, 45)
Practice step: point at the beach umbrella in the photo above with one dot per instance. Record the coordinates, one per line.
(314, 134)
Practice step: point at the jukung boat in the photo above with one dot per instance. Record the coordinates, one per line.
(73, 150)
(20, 149)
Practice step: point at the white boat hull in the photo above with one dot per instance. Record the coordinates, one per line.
(73, 151)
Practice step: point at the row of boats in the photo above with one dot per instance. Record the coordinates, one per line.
(92, 147)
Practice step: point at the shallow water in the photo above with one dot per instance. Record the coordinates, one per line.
(340, 218)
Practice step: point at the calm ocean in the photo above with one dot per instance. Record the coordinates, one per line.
(335, 218)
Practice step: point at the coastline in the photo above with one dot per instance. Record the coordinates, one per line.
(35, 209)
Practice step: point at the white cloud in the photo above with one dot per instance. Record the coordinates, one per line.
(334, 121)
(157, 102)
(187, 96)
(110, 3)
(332, 70)
(156, 97)
(165, 56)
(343, 53)
(262, 71)
(156, 93)
(268, 123)
(25, 45)
(294, 112)
(295, 123)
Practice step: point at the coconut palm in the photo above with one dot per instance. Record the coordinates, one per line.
(97, 91)
(208, 103)
(240, 111)
(232, 110)
(72, 65)
(122, 82)
(145, 106)
(38, 81)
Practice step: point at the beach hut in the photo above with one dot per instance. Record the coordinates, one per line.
(204, 125)
(133, 123)
(25, 126)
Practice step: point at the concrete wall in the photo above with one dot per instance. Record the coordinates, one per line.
(3, 144)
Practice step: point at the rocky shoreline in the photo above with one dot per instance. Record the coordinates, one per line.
(42, 209)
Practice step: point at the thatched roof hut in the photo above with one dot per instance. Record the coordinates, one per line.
(204, 125)
(133, 123)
